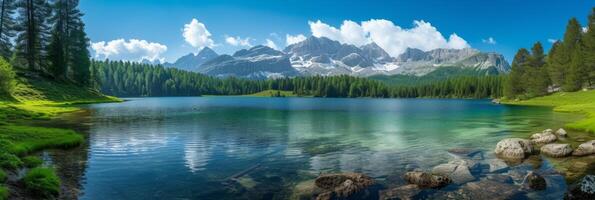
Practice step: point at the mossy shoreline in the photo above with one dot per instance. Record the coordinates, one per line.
(30, 102)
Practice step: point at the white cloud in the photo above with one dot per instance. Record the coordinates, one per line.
(131, 50)
(585, 29)
(271, 44)
(290, 39)
(490, 40)
(552, 40)
(392, 38)
(197, 35)
(238, 41)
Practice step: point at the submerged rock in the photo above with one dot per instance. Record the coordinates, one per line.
(464, 152)
(585, 189)
(556, 150)
(500, 178)
(535, 181)
(513, 148)
(404, 192)
(457, 171)
(343, 184)
(487, 189)
(543, 138)
(426, 180)
(584, 149)
(497, 166)
(561, 133)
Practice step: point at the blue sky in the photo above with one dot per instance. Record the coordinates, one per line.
(159, 24)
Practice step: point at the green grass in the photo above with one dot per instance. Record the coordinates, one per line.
(42, 182)
(273, 93)
(2, 176)
(3, 193)
(582, 102)
(27, 139)
(32, 161)
(9, 161)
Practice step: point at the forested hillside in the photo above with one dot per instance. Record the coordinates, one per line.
(129, 79)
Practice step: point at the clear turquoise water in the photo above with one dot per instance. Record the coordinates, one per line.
(188, 148)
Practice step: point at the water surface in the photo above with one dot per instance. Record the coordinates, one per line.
(189, 148)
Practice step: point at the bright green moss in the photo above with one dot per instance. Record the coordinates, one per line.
(42, 182)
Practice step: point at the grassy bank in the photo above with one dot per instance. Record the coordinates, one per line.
(38, 100)
(582, 102)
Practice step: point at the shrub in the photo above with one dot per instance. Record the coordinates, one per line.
(3, 193)
(31, 161)
(6, 77)
(9, 161)
(42, 182)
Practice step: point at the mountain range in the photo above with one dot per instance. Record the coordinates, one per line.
(326, 57)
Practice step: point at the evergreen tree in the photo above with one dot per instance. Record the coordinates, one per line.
(32, 35)
(536, 75)
(515, 85)
(57, 65)
(589, 49)
(7, 24)
(572, 45)
(79, 59)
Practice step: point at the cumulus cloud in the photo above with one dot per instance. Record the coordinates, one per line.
(490, 40)
(552, 40)
(197, 35)
(585, 29)
(238, 41)
(392, 38)
(270, 43)
(292, 39)
(131, 50)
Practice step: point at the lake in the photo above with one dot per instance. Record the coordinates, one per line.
(261, 148)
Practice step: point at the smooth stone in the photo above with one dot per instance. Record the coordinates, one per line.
(535, 181)
(543, 138)
(487, 189)
(458, 173)
(585, 189)
(561, 133)
(405, 192)
(343, 184)
(426, 180)
(497, 166)
(549, 130)
(500, 178)
(584, 149)
(556, 150)
(513, 148)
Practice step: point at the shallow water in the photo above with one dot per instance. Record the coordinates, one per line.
(190, 148)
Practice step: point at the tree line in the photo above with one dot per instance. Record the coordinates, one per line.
(131, 79)
(45, 37)
(569, 66)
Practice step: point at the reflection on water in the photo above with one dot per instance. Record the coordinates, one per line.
(188, 148)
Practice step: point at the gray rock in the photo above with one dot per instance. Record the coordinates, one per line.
(457, 171)
(561, 133)
(497, 166)
(426, 180)
(404, 192)
(535, 181)
(556, 150)
(487, 189)
(343, 184)
(513, 148)
(543, 138)
(585, 189)
(584, 149)
(500, 178)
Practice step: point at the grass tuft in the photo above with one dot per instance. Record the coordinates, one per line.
(42, 182)
(3, 193)
(9, 161)
(32, 161)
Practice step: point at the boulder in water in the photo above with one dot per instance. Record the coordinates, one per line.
(497, 166)
(585, 189)
(404, 192)
(457, 171)
(535, 181)
(584, 149)
(513, 148)
(487, 189)
(543, 138)
(556, 150)
(343, 184)
(426, 180)
(561, 133)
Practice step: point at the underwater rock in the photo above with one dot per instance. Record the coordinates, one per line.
(487, 189)
(513, 148)
(535, 181)
(305, 190)
(464, 152)
(585, 189)
(584, 149)
(556, 150)
(497, 166)
(561, 133)
(500, 178)
(543, 138)
(403, 193)
(343, 184)
(426, 180)
(457, 171)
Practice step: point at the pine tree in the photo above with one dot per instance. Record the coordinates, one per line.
(32, 37)
(57, 59)
(515, 85)
(589, 49)
(7, 24)
(536, 76)
(572, 45)
(79, 59)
